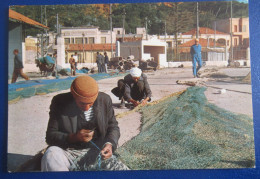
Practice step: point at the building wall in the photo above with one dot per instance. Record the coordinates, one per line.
(15, 42)
(88, 33)
(240, 29)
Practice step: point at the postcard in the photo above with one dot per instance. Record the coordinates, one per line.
(130, 86)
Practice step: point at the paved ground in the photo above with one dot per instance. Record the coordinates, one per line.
(28, 118)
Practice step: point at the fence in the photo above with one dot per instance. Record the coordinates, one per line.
(183, 54)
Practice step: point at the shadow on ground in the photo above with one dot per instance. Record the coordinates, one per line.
(15, 160)
(243, 163)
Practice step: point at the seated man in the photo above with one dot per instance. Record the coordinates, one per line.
(82, 131)
(134, 88)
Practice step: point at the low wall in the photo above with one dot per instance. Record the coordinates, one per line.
(189, 64)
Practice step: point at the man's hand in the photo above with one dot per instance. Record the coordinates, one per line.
(83, 135)
(106, 152)
(135, 103)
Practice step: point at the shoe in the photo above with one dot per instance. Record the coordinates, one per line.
(122, 105)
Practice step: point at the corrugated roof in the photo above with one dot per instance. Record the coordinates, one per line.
(89, 47)
(21, 18)
(203, 30)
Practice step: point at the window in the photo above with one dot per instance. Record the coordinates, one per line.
(235, 42)
(118, 32)
(244, 28)
(72, 40)
(86, 40)
(91, 40)
(78, 40)
(235, 28)
(67, 41)
(103, 40)
(228, 42)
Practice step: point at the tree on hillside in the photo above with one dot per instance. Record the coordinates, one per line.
(178, 20)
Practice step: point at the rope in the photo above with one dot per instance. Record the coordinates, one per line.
(99, 155)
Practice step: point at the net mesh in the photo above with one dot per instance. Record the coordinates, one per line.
(26, 89)
(187, 132)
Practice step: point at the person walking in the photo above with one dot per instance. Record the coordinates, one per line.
(18, 67)
(195, 52)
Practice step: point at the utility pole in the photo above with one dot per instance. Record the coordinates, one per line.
(231, 32)
(110, 14)
(215, 34)
(165, 30)
(146, 28)
(197, 33)
(56, 65)
(42, 48)
(83, 60)
(123, 25)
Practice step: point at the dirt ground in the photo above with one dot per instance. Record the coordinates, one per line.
(28, 118)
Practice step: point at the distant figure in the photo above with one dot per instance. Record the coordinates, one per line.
(106, 61)
(102, 63)
(195, 52)
(76, 59)
(72, 66)
(18, 67)
(134, 88)
(99, 62)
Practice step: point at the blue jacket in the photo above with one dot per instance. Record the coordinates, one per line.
(195, 51)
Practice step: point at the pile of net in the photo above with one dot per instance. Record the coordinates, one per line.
(187, 132)
(26, 89)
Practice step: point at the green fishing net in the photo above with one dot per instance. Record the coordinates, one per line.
(188, 132)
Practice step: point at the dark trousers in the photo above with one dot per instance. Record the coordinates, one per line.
(137, 90)
(99, 68)
(19, 71)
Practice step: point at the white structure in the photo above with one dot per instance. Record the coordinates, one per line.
(86, 41)
(145, 49)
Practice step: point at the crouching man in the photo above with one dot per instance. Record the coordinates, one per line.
(82, 131)
(134, 88)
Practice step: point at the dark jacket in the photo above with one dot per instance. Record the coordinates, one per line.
(65, 117)
(129, 82)
(18, 62)
(106, 59)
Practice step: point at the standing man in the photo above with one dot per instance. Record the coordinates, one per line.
(195, 52)
(82, 131)
(72, 66)
(106, 61)
(18, 67)
(102, 63)
(76, 59)
(134, 88)
(99, 62)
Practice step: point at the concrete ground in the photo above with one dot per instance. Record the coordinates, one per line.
(28, 118)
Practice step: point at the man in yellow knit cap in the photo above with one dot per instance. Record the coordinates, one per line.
(82, 131)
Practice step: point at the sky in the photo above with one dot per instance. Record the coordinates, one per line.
(244, 1)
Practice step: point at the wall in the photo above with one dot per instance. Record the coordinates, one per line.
(30, 54)
(15, 42)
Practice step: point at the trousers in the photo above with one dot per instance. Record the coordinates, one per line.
(58, 159)
(18, 71)
(195, 69)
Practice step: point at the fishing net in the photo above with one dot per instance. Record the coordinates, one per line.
(187, 132)
(26, 89)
